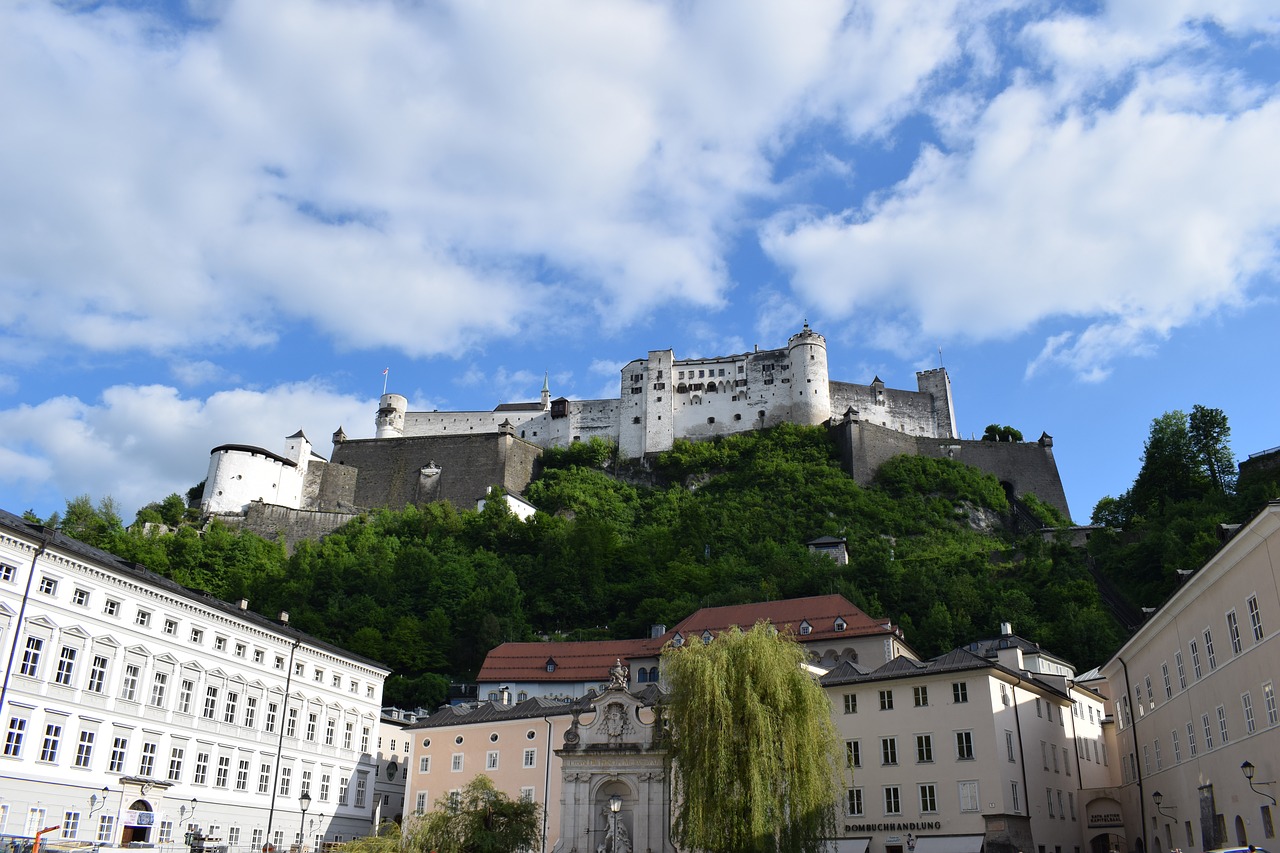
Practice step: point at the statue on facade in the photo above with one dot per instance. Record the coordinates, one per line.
(618, 676)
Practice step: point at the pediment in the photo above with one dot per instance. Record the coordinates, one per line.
(75, 631)
(167, 658)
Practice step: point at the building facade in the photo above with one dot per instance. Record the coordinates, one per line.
(135, 710)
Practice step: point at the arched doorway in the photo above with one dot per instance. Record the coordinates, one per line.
(1106, 842)
(1242, 836)
(138, 821)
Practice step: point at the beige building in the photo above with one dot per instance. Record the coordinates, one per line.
(1196, 694)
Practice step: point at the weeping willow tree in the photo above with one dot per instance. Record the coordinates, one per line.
(753, 749)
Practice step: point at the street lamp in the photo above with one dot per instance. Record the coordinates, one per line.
(304, 800)
(1158, 798)
(1248, 770)
(615, 806)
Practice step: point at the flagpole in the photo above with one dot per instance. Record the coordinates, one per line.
(384, 381)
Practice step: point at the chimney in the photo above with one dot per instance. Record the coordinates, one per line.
(656, 631)
(244, 604)
(1006, 629)
(284, 617)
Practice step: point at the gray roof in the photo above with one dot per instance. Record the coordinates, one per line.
(536, 707)
(956, 660)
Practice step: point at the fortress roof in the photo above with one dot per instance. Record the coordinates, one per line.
(257, 451)
(518, 407)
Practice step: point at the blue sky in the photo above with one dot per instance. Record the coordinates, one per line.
(222, 220)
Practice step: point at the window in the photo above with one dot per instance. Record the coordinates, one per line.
(964, 746)
(197, 636)
(920, 696)
(491, 760)
(924, 749)
(421, 806)
(279, 663)
(969, 801)
(31, 657)
(271, 716)
(106, 828)
(1066, 761)
(119, 749)
(233, 835)
(362, 785)
(52, 737)
(928, 798)
(240, 648)
(1208, 650)
(224, 770)
(1177, 747)
(1182, 670)
(886, 700)
(202, 768)
(219, 644)
(1168, 682)
(264, 778)
(299, 668)
(337, 680)
(851, 703)
(80, 597)
(48, 585)
(291, 723)
(84, 750)
(960, 692)
(70, 824)
(250, 711)
(1054, 750)
(1222, 724)
(1195, 659)
(171, 626)
(346, 736)
(210, 702)
(1191, 738)
(97, 674)
(1039, 708)
(1233, 632)
(364, 739)
(328, 732)
(286, 781)
(456, 766)
(324, 787)
(1159, 759)
(853, 803)
(66, 666)
(892, 800)
(530, 758)
(1008, 745)
(111, 607)
(158, 685)
(1255, 619)
(312, 719)
(853, 752)
(1208, 731)
(142, 619)
(7, 571)
(1048, 795)
(1269, 698)
(888, 750)
(147, 766)
(129, 687)
(175, 764)
(242, 775)
(1246, 704)
(424, 764)
(232, 706)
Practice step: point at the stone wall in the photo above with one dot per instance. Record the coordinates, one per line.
(282, 524)
(1023, 467)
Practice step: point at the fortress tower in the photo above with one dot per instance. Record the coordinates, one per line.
(811, 386)
(390, 418)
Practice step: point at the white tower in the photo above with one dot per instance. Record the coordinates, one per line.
(810, 382)
(390, 419)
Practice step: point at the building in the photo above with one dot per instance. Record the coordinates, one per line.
(976, 750)
(1194, 691)
(135, 710)
(419, 457)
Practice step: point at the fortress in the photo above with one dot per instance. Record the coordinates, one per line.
(418, 457)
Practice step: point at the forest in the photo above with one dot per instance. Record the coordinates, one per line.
(429, 590)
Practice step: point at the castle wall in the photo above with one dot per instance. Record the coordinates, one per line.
(1027, 467)
(329, 487)
(286, 524)
(585, 420)
(909, 412)
(240, 474)
(453, 423)
(394, 473)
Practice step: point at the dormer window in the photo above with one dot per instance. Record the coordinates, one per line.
(551, 664)
(706, 637)
(677, 640)
(805, 627)
(841, 624)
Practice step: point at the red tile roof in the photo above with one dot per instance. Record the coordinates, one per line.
(590, 660)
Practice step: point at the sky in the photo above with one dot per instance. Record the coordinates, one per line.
(221, 221)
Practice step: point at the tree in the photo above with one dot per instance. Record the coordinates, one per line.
(996, 432)
(753, 748)
(1209, 441)
(480, 819)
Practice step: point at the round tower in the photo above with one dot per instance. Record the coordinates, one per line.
(390, 419)
(810, 383)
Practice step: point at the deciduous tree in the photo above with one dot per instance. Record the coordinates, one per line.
(753, 747)
(480, 819)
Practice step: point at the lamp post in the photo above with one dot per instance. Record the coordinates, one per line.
(1158, 798)
(615, 806)
(304, 801)
(1248, 770)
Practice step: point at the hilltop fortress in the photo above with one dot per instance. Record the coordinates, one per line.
(418, 457)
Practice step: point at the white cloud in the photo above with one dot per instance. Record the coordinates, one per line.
(140, 443)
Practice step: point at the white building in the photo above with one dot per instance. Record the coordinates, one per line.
(134, 710)
(1195, 690)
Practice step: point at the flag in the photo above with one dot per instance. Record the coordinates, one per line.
(384, 370)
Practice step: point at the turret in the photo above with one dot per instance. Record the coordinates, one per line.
(546, 392)
(810, 382)
(937, 383)
(390, 419)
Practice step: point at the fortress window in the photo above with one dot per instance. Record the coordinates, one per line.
(738, 416)
(722, 371)
(769, 381)
(711, 420)
(659, 374)
(636, 419)
(636, 389)
(760, 414)
(742, 368)
(659, 400)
